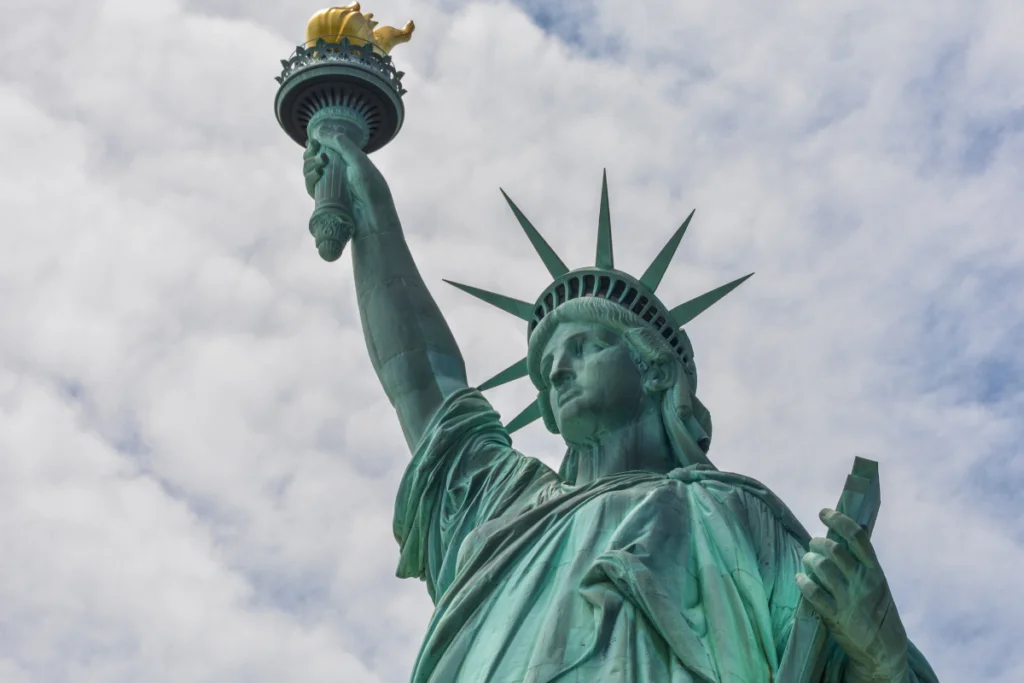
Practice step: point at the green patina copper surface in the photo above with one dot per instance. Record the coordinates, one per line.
(638, 561)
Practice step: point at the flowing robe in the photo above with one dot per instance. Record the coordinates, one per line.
(634, 578)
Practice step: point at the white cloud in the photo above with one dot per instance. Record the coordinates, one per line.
(198, 466)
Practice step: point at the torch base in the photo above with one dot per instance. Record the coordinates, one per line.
(332, 228)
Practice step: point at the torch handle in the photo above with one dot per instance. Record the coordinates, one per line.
(331, 223)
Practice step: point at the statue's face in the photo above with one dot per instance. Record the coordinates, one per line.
(594, 384)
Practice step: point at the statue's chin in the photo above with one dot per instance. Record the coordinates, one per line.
(575, 423)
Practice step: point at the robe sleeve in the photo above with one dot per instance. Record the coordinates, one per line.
(463, 474)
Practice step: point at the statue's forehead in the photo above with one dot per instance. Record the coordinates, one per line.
(571, 329)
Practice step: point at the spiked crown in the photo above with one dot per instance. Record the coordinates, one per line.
(602, 281)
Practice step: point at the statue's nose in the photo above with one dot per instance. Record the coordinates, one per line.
(560, 376)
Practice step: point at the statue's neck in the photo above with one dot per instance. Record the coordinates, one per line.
(641, 445)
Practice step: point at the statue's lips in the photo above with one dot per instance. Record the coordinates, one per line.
(568, 396)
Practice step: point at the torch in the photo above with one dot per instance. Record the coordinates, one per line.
(341, 81)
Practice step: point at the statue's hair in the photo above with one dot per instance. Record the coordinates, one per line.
(647, 347)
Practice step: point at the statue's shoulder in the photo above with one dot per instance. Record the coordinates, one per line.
(463, 413)
(749, 489)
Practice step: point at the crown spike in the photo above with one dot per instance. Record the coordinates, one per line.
(684, 313)
(520, 309)
(652, 276)
(509, 374)
(605, 257)
(529, 414)
(552, 262)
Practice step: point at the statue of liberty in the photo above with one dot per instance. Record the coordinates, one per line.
(637, 561)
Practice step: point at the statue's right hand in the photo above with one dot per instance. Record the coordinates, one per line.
(362, 193)
(363, 178)
(313, 162)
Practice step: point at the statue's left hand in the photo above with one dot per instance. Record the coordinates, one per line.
(847, 587)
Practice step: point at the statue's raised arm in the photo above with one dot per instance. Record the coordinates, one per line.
(638, 558)
(410, 344)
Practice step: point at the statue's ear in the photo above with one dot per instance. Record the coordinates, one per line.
(660, 376)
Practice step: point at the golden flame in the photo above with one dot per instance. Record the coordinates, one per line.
(334, 23)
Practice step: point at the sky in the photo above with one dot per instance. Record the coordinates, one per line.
(197, 465)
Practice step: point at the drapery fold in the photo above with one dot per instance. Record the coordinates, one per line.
(634, 578)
